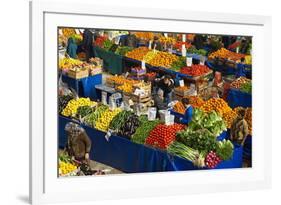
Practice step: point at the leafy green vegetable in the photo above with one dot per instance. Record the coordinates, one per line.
(107, 44)
(144, 129)
(193, 50)
(211, 121)
(119, 120)
(177, 65)
(179, 149)
(202, 140)
(83, 111)
(122, 50)
(246, 87)
(93, 117)
(224, 149)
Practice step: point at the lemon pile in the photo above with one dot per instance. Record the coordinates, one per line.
(66, 168)
(67, 63)
(74, 104)
(103, 122)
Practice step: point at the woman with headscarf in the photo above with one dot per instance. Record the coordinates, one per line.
(78, 142)
(71, 48)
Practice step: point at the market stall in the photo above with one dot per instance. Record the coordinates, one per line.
(152, 102)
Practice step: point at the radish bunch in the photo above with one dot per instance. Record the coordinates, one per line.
(212, 160)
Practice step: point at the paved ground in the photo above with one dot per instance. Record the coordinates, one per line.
(99, 166)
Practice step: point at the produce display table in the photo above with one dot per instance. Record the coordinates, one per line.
(237, 98)
(112, 62)
(85, 87)
(129, 157)
(228, 70)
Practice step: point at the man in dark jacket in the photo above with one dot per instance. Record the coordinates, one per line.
(78, 142)
(166, 84)
(87, 44)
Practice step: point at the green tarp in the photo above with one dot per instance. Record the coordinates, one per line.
(112, 62)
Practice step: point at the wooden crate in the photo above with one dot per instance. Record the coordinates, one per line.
(182, 93)
(78, 75)
(140, 99)
(144, 86)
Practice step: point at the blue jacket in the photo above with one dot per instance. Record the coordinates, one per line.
(187, 115)
(240, 70)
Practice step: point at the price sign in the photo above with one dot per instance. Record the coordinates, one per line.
(77, 31)
(108, 135)
(60, 32)
(188, 61)
(126, 75)
(166, 35)
(202, 60)
(183, 37)
(117, 40)
(150, 44)
(237, 49)
(181, 82)
(183, 50)
(143, 65)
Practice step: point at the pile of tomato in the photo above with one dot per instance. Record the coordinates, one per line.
(163, 135)
(195, 70)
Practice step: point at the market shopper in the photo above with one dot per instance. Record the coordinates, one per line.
(239, 128)
(159, 100)
(156, 44)
(129, 40)
(78, 142)
(188, 111)
(167, 84)
(71, 48)
(87, 44)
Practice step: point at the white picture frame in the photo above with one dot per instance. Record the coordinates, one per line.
(45, 16)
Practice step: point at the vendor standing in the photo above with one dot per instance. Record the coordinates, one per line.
(156, 44)
(87, 44)
(71, 48)
(167, 84)
(188, 111)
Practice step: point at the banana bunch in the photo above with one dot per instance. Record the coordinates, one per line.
(71, 108)
(67, 63)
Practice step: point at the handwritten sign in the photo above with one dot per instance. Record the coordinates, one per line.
(150, 44)
(183, 50)
(188, 61)
(183, 37)
(143, 65)
(181, 82)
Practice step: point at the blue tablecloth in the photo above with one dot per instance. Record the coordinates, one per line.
(85, 87)
(237, 98)
(129, 157)
(227, 70)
